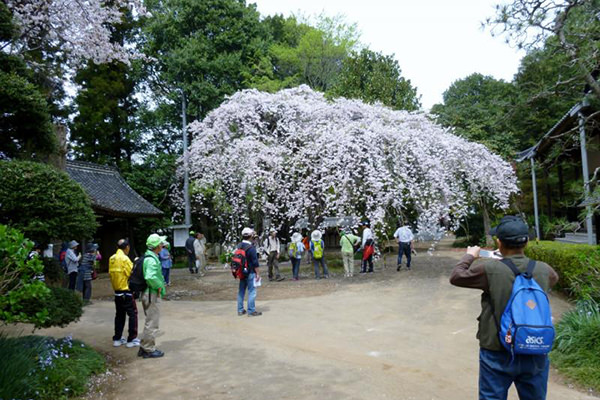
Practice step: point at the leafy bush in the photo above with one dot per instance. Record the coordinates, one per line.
(578, 266)
(577, 346)
(22, 297)
(46, 368)
(53, 272)
(43, 203)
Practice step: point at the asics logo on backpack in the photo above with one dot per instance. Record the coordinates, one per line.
(534, 340)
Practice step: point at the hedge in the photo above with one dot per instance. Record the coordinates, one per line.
(578, 266)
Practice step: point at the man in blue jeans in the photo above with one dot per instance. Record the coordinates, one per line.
(497, 367)
(248, 283)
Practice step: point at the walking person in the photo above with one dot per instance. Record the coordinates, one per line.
(72, 261)
(306, 242)
(152, 296)
(119, 270)
(191, 254)
(166, 262)
(368, 247)
(498, 368)
(199, 250)
(296, 249)
(317, 250)
(405, 239)
(348, 243)
(86, 268)
(271, 247)
(253, 276)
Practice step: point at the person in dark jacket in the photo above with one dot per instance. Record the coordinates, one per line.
(86, 268)
(248, 283)
(497, 369)
(191, 254)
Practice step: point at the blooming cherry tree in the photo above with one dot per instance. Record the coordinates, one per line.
(79, 29)
(294, 154)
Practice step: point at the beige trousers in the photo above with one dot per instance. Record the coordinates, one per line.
(348, 259)
(201, 262)
(150, 303)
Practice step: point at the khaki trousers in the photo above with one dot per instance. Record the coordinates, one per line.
(201, 262)
(150, 303)
(348, 259)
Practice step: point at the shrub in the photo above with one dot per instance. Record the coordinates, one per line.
(46, 368)
(25, 299)
(53, 272)
(578, 266)
(43, 203)
(577, 346)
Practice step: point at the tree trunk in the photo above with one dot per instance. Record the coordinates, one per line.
(487, 226)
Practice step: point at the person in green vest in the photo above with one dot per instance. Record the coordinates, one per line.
(348, 242)
(152, 295)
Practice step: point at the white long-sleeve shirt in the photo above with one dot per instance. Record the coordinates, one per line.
(367, 234)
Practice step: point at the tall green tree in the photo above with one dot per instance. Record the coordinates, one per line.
(203, 49)
(25, 124)
(372, 77)
(478, 107)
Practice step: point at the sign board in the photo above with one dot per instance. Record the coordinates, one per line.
(180, 235)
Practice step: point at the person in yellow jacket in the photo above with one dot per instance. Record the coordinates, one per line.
(152, 295)
(119, 269)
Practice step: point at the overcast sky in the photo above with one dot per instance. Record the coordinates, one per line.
(436, 42)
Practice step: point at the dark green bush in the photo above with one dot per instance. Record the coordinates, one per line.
(53, 272)
(64, 307)
(37, 367)
(578, 266)
(576, 350)
(43, 202)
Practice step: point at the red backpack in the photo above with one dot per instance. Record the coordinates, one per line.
(239, 263)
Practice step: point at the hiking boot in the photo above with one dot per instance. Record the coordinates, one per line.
(280, 278)
(119, 343)
(399, 266)
(140, 352)
(134, 343)
(254, 314)
(153, 354)
(196, 270)
(240, 313)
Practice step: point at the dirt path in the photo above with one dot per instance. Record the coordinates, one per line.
(388, 335)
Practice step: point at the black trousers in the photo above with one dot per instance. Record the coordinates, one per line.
(364, 264)
(87, 290)
(126, 307)
(191, 262)
(72, 280)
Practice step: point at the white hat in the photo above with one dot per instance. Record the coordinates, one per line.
(296, 237)
(247, 231)
(316, 235)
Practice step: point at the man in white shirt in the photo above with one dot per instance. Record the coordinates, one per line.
(405, 239)
(271, 247)
(199, 251)
(368, 248)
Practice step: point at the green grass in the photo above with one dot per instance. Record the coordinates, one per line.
(38, 367)
(576, 351)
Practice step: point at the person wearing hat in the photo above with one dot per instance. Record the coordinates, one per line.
(248, 283)
(191, 254)
(199, 250)
(86, 268)
(497, 367)
(166, 261)
(348, 242)
(72, 261)
(405, 238)
(271, 247)
(295, 251)
(317, 250)
(119, 269)
(152, 295)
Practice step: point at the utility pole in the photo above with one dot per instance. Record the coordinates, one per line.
(186, 174)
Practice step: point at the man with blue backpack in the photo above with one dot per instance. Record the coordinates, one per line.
(515, 325)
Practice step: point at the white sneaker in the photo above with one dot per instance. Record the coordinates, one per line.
(118, 343)
(134, 343)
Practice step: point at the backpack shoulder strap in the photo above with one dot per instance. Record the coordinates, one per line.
(530, 268)
(510, 264)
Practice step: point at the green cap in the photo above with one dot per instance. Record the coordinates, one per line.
(155, 240)
(192, 233)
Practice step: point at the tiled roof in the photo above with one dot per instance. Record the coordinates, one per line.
(109, 192)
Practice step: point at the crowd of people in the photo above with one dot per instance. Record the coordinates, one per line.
(500, 364)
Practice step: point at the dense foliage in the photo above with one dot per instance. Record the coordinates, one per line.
(578, 266)
(293, 154)
(23, 298)
(38, 367)
(43, 203)
(576, 350)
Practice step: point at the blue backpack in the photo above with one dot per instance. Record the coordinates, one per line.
(526, 323)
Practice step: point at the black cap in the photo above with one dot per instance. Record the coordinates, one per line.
(511, 229)
(91, 247)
